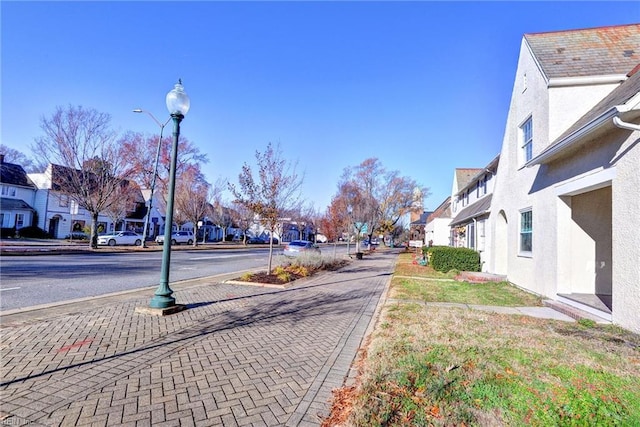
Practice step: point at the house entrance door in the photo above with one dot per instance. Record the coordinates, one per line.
(53, 227)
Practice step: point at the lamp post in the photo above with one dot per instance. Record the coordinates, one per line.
(155, 174)
(178, 105)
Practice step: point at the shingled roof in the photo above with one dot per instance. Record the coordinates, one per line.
(587, 52)
(13, 174)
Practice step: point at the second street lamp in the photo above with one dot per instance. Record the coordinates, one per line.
(145, 230)
(178, 104)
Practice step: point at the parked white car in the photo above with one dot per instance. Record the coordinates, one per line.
(178, 237)
(120, 238)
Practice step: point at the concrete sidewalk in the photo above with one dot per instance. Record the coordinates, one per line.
(239, 355)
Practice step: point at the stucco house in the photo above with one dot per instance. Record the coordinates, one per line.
(436, 228)
(469, 223)
(565, 205)
(17, 197)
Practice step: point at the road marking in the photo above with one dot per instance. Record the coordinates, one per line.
(9, 289)
(217, 257)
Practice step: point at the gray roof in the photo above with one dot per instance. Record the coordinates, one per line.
(13, 174)
(423, 218)
(14, 204)
(587, 52)
(479, 208)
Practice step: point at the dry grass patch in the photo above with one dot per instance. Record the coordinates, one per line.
(443, 366)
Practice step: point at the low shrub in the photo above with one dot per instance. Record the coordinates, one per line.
(33, 232)
(7, 232)
(446, 258)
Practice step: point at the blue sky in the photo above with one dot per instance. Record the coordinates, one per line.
(423, 86)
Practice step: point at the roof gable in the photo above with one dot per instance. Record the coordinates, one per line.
(464, 177)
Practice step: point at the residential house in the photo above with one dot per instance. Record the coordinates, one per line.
(460, 200)
(17, 196)
(59, 215)
(565, 205)
(469, 222)
(436, 229)
(417, 227)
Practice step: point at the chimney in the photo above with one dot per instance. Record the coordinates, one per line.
(1, 158)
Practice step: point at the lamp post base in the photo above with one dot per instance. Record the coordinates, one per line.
(162, 300)
(161, 311)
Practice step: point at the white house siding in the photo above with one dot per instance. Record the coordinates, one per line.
(438, 231)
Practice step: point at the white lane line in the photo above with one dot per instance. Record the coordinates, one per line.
(9, 289)
(216, 257)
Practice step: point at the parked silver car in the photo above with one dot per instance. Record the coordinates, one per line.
(297, 247)
(120, 238)
(178, 237)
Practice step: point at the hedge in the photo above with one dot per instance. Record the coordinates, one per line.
(446, 258)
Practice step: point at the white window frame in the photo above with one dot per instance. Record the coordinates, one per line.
(525, 229)
(526, 140)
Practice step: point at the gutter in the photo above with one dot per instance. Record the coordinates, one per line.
(625, 125)
(586, 80)
(576, 136)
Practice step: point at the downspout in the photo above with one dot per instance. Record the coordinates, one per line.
(475, 234)
(625, 125)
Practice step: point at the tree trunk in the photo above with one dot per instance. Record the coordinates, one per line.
(94, 230)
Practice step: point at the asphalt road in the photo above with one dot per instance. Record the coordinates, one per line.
(28, 281)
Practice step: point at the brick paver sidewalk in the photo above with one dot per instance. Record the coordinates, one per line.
(240, 355)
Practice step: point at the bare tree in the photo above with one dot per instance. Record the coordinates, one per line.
(336, 221)
(124, 202)
(377, 198)
(275, 189)
(140, 151)
(17, 157)
(193, 193)
(92, 167)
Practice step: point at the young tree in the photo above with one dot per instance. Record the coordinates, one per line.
(276, 188)
(243, 218)
(89, 163)
(192, 197)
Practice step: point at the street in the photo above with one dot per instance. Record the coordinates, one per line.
(28, 281)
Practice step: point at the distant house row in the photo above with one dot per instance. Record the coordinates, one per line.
(34, 199)
(556, 210)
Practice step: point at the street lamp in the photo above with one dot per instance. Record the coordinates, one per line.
(178, 105)
(155, 174)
